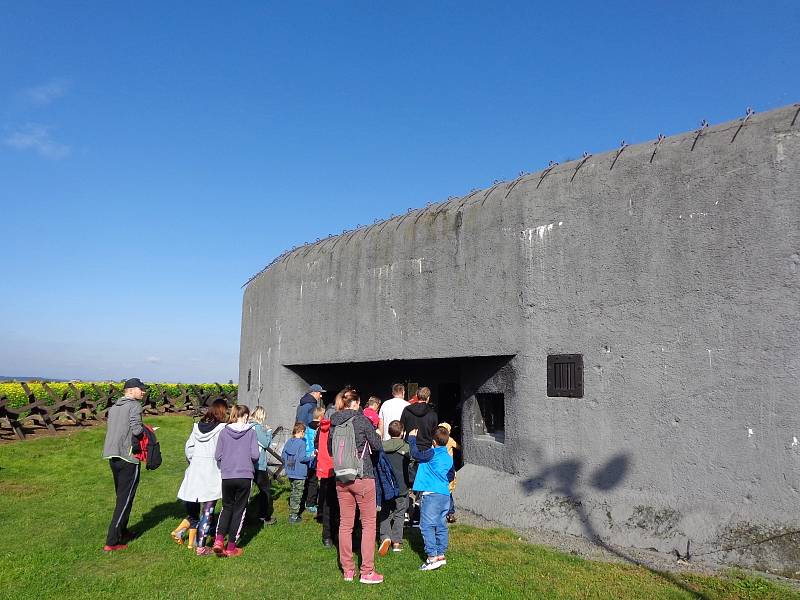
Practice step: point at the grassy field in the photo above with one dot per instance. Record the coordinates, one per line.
(56, 497)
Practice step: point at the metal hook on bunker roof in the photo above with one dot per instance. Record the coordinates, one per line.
(466, 199)
(744, 119)
(660, 139)
(622, 146)
(403, 218)
(586, 156)
(797, 112)
(699, 131)
(514, 183)
(490, 190)
(550, 166)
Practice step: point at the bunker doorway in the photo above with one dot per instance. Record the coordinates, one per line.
(451, 381)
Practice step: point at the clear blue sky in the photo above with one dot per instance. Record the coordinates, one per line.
(154, 155)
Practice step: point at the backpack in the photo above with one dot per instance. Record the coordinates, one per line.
(347, 464)
(149, 450)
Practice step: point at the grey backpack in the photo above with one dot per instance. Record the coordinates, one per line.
(347, 464)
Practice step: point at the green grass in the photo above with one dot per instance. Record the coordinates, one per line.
(56, 497)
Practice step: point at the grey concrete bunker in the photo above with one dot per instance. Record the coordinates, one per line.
(614, 339)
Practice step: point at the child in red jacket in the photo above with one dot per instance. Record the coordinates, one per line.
(328, 503)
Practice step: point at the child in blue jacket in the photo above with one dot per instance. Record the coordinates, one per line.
(295, 462)
(432, 484)
(311, 490)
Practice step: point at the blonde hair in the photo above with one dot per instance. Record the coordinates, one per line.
(318, 412)
(374, 402)
(238, 410)
(259, 415)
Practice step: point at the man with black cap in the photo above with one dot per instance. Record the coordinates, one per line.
(305, 410)
(124, 424)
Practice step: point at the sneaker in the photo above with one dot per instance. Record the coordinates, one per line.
(218, 549)
(328, 543)
(451, 518)
(372, 578)
(203, 551)
(235, 552)
(311, 509)
(270, 521)
(348, 575)
(115, 547)
(397, 547)
(294, 520)
(384, 547)
(431, 563)
(442, 559)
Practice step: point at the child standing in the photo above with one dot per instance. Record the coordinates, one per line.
(393, 511)
(311, 490)
(295, 461)
(201, 486)
(452, 445)
(262, 480)
(371, 411)
(328, 506)
(434, 473)
(237, 450)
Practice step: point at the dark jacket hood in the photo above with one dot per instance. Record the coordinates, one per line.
(420, 409)
(207, 427)
(308, 399)
(340, 417)
(393, 445)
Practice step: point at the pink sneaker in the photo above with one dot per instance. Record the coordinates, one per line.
(348, 575)
(203, 551)
(373, 577)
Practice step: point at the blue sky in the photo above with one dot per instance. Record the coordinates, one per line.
(154, 155)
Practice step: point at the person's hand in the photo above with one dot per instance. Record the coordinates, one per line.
(412, 432)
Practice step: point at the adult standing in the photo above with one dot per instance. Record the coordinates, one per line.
(392, 409)
(422, 417)
(359, 492)
(310, 401)
(124, 424)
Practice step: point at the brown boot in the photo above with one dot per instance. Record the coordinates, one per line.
(177, 534)
(192, 539)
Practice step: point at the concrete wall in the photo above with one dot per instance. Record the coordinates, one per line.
(677, 279)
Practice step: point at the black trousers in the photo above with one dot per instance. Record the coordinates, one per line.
(329, 508)
(311, 489)
(126, 480)
(264, 498)
(235, 494)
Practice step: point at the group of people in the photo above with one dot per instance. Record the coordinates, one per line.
(386, 462)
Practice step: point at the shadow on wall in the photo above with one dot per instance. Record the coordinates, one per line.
(563, 479)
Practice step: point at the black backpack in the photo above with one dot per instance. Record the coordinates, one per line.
(149, 449)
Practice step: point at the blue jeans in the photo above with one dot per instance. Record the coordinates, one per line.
(433, 510)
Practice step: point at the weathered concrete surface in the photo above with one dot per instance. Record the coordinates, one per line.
(677, 279)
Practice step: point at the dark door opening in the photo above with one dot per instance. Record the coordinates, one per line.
(451, 381)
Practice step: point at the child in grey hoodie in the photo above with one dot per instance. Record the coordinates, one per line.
(236, 454)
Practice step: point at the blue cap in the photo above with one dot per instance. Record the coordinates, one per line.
(316, 388)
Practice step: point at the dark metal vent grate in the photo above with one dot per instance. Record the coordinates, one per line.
(565, 375)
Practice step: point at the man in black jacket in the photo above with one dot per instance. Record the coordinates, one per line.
(422, 417)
